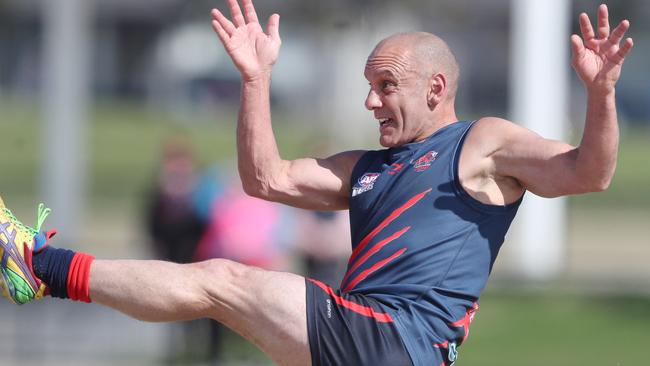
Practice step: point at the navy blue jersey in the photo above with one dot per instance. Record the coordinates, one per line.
(422, 246)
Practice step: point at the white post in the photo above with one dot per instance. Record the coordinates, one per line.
(352, 125)
(350, 121)
(540, 68)
(66, 94)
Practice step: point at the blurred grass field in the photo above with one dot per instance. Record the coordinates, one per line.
(124, 142)
(558, 329)
(550, 326)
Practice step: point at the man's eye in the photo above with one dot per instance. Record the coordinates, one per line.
(387, 84)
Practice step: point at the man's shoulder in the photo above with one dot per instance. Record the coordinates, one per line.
(487, 136)
(495, 124)
(492, 133)
(345, 159)
(479, 170)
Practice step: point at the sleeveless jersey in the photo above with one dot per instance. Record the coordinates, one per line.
(422, 246)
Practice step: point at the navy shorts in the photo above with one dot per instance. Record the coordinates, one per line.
(350, 330)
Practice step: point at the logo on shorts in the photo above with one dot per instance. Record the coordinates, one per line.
(365, 183)
(452, 356)
(329, 308)
(451, 349)
(425, 161)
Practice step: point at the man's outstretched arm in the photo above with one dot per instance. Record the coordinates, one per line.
(306, 183)
(598, 63)
(552, 168)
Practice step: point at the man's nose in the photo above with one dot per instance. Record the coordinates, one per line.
(372, 100)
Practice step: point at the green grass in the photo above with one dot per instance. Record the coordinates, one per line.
(124, 143)
(558, 329)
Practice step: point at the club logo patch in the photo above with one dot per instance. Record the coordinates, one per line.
(425, 161)
(365, 183)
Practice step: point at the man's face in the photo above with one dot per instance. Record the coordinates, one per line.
(397, 96)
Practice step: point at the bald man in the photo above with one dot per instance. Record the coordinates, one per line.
(428, 213)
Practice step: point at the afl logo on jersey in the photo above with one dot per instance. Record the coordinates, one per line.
(424, 162)
(365, 183)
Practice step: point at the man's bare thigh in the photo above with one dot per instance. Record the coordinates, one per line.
(268, 308)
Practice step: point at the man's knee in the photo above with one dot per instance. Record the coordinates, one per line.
(266, 307)
(230, 285)
(225, 272)
(246, 289)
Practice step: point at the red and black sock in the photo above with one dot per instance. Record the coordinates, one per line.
(66, 273)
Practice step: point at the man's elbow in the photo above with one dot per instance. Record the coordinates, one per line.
(602, 184)
(595, 184)
(252, 182)
(596, 176)
(255, 189)
(267, 190)
(262, 184)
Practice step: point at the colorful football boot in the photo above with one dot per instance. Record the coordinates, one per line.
(17, 244)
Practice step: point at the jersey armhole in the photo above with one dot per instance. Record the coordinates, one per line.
(463, 194)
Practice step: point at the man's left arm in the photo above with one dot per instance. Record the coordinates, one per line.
(552, 168)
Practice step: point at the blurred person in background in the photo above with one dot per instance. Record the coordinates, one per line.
(175, 228)
(322, 238)
(323, 243)
(173, 222)
(427, 220)
(243, 229)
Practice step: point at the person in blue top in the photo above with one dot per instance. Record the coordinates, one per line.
(428, 213)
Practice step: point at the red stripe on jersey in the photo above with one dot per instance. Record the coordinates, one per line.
(372, 269)
(374, 250)
(395, 214)
(466, 320)
(357, 308)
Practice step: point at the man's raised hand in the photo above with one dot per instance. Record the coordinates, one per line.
(598, 58)
(252, 51)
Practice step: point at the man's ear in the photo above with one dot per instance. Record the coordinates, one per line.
(437, 90)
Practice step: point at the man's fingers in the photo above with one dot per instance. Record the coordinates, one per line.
(218, 29)
(603, 22)
(586, 28)
(619, 32)
(225, 24)
(235, 11)
(619, 56)
(274, 26)
(249, 11)
(577, 47)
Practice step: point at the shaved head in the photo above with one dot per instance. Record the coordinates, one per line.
(427, 54)
(413, 80)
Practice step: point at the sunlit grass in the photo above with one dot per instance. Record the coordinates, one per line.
(558, 329)
(124, 142)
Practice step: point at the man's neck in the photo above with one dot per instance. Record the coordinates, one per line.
(443, 118)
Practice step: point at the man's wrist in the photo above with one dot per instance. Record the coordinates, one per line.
(258, 78)
(601, 91)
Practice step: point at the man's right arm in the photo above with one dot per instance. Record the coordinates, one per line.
(307, 183)
(310, 183)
